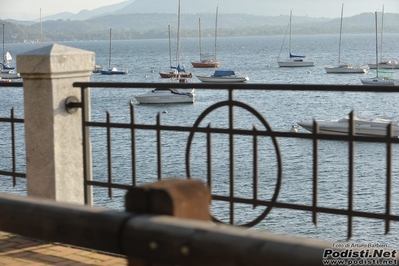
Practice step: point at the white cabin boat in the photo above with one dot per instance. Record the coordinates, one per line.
(362, 126)
(224, 76)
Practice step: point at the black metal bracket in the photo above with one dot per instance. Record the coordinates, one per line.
(72, 104)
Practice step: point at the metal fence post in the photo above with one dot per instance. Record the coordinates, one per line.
(54, 154)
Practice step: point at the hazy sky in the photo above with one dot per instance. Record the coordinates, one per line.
(313, 8)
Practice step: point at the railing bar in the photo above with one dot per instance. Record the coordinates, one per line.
(247, 132)
(388, 193)
(12, 174)
(159, 146)
(14, 166)
(108, 185)
(231, 141)
(315, 171)
(133, 143)
(351, 174)
(298, 207)
(86, 143)
(209, 158)
(255, 166)
(109, 155)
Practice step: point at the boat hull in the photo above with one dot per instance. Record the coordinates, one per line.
(166, 75)
(363, 127)
(166, 96)
(378, 81)
(345, 70)
(206, 64)
(9, 75)
(296, 63)
(228, 79)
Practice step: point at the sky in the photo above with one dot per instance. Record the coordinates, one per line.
(313, 8)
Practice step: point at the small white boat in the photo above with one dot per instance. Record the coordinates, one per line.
(9, 75)
(167, 95)
(346, 68)
(388, 64)
(362, 126)
(224, 76)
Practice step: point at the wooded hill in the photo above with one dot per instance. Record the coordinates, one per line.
(148, 26)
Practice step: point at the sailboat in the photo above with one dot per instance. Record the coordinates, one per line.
(343, 68)
(388, 64)
(206, 62)
(380, 79)
(5, 64)
(167, 95)
(113, 70)
(294, 60)
(178, 71)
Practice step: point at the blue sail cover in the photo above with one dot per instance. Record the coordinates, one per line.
(296, 56)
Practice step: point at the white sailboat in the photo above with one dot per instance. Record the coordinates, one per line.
(381, 78)
(343, 68)
(112, 70)
(387, 64)
(206, 61)
(167, 95)
(294, 60)
(5, 65)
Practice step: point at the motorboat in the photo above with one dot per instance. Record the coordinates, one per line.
(362, 126)
(97, 68)
(168, 95)
(224, 76)
(343, 68)
(294, 60)
(9, 75)
(114, 71)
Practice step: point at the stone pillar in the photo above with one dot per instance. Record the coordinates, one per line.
(54, 152)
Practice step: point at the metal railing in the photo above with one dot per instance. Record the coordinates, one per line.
(231, 199)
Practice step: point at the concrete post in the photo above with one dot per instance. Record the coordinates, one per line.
(54, 153)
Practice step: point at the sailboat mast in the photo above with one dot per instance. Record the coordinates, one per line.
(109, 54)
(216, 29)
(376, 43)
(3, 46)
(290, 32)
(200, 37)
(178, 38)
(170, 48)
(382, 30)
(340, 34)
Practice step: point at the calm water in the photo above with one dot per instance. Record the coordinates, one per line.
(257, 57)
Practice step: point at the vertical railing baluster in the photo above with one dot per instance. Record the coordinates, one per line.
(159, 147)
(315, 170)
(231, 140)
(389, 180)
(351, 173)
(109, 155)
(209, 157)
(255, 166)
(14, 164)
(133, 143)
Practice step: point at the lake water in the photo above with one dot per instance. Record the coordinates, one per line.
(257, 57)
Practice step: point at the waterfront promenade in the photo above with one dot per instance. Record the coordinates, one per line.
(17, 250)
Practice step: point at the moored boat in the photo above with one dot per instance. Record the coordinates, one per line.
(224, 76)
(362, 126)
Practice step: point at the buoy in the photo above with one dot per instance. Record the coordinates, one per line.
(152, 71)
(165, 112)
(146, 76)
(294, 129)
